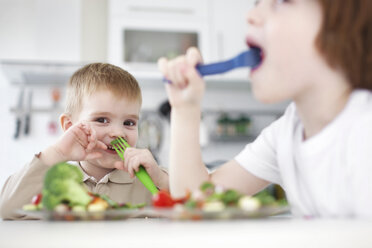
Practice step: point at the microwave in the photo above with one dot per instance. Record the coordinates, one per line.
(140, 32)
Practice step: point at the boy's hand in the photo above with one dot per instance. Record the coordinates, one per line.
(134, 158)
(78, 143)
(186, 87)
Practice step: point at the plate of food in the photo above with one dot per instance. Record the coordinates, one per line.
(211, 202)
(64, 197)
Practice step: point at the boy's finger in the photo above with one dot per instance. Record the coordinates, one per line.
(130, 151)
(92, 140)
(179, 68)
(171, 72)
(81, 137)
(193, 56)
(101, 145)
(135, 163)
(93, 135)
(120, 165)
(91, 145)
(162, 65)
(130, 171)
(126, 160)
(85, 127)
(93, 155)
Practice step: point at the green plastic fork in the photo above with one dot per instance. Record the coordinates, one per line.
(120, 144)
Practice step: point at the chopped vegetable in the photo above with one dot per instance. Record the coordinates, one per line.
(162, 199)
(249, 203)
(63, 183)
(36, 199)
(215, 206)
(210, 197)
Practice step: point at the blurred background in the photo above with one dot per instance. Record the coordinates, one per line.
(42, 42)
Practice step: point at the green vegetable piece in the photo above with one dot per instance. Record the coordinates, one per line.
(63, 184)
(231, 197)
(282, 202)
(110, 202)
(62, 171)
(207, 186)
(140, 205)
(191, 204)
(215, 197)
(130, 206)
(30, 207)
(265, 198)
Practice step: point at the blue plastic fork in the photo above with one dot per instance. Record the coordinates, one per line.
(250, 58)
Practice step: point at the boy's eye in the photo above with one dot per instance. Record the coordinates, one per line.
(281, 1)
(102, 120)
(129, 123)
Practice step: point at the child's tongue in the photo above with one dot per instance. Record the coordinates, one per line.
(258, 56)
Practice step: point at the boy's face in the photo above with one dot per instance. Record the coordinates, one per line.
(110, 117)
(286, 31)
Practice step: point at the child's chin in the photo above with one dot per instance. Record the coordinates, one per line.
(106, 163)
(265, 95)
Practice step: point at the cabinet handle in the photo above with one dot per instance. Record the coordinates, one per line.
(167, 10)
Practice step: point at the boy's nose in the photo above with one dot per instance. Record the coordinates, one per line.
(254, 15)
(116, 132)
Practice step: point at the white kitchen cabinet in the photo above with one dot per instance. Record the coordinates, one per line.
(228, 32)
(40, 30)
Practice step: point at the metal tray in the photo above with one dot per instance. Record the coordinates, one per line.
(163, 213)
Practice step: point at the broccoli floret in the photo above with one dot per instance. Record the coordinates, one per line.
(62, 171)
(63, 184)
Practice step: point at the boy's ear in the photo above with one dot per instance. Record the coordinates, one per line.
(66, 121)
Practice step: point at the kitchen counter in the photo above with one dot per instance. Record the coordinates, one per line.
(151, 233)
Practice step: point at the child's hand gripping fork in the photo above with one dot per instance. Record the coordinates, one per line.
(120, 145)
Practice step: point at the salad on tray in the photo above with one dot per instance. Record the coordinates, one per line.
(64, 197)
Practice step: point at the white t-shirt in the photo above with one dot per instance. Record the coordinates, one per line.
(328, 175)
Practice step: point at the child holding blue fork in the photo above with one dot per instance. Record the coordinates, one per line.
(317, 54)
(103, 103)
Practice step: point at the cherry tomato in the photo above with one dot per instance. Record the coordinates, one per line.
(162, 200)
(36, 199)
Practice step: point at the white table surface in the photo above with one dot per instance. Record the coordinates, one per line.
(152, 233)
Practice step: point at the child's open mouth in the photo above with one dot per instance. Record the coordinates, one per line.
(110, 149)
(252, 44)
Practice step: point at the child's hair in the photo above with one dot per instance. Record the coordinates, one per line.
(98, 76)
(345, 39)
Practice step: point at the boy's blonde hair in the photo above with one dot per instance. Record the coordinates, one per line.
(98, 76)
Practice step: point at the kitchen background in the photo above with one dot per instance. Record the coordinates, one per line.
(43, 41)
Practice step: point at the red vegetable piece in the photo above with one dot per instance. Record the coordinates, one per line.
(183, 199)
(36, 199)
(162, 200)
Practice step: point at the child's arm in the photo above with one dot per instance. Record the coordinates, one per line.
(19, 189)
(186, 168)
(134, 158)
(76, 144)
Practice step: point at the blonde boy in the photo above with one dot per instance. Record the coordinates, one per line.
(103, 102)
